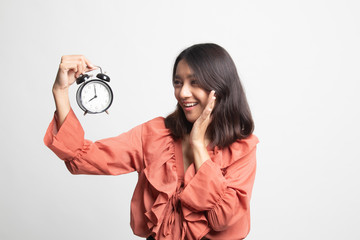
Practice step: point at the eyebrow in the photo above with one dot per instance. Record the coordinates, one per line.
(187, 76)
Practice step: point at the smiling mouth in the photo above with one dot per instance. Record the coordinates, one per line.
(187, 105)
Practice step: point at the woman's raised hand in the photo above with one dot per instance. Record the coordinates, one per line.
(198, 139)
(198, 132)
(70, 68)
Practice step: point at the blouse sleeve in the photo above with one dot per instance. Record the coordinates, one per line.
(222, 193)
(111, 156)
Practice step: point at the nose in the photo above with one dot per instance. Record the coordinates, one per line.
(185, 91)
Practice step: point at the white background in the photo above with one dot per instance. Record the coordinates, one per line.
(299, 63)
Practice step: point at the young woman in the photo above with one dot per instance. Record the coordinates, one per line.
(196, 167)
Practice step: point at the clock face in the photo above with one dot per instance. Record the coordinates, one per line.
(94, 96)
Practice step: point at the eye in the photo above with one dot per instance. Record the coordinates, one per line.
(194, 82)
(177, 83)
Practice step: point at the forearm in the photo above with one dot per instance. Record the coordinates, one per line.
(62, 103)
(111, 156)
(200, 155)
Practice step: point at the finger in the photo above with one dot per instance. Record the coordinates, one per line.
(89, 65)
(86, 64)
(81, 67)
(89, 69)
(206, 114)
(210, 106)
(75, 67)
(68, 66)
(211, 100)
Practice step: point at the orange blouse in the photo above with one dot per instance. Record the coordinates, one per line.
(167, 203)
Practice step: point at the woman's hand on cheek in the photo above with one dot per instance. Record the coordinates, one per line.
(197, 135)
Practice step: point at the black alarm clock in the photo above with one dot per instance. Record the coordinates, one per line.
(94, 95)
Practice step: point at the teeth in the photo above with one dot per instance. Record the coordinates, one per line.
(190, 104)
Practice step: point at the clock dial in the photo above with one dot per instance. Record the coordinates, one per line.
(94, 96)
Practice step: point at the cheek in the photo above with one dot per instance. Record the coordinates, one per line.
(204, 98)
(176, 94)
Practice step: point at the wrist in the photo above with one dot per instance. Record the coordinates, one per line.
(200, 154)
(197, 144)
(57, 90)
(199, 149)
(62, 104)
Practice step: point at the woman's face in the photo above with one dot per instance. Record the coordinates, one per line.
(191, 97)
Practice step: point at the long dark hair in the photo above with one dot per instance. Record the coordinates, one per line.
(215, 70)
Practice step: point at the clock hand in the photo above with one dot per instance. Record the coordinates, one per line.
(95, 90)
(92, 98)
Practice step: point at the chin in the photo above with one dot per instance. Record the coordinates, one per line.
(191, 119)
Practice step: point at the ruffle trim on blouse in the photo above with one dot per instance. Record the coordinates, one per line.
(165, 213)
(160, 172)
(73, 168)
